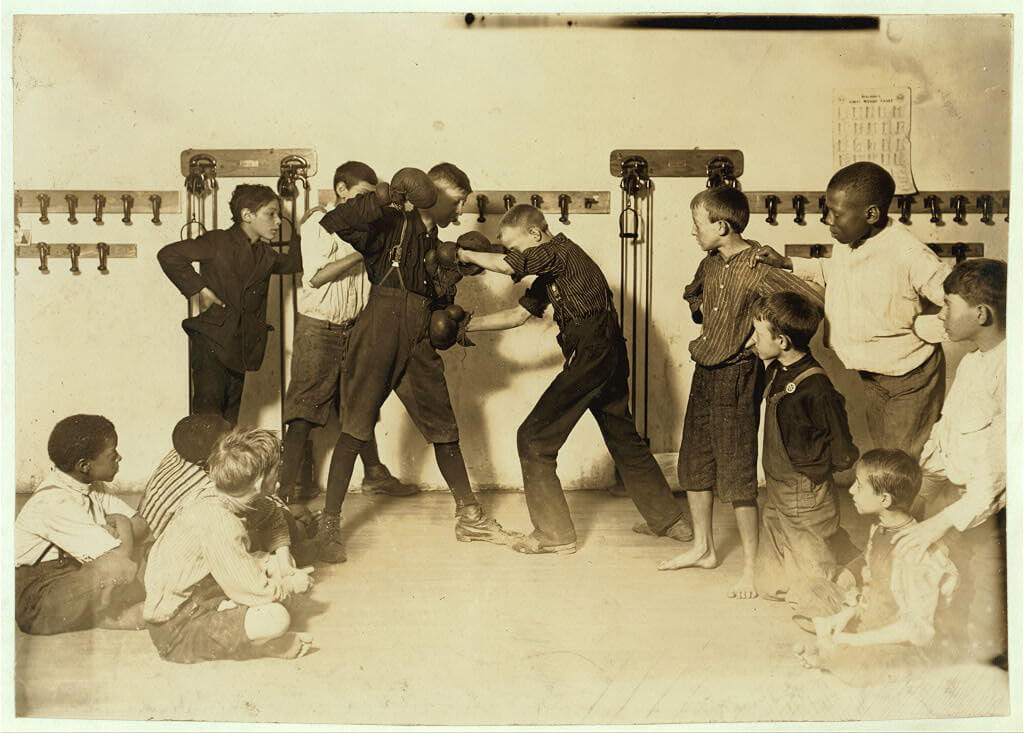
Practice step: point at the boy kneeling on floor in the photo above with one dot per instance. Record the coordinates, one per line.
(207, 595)
(78, 550)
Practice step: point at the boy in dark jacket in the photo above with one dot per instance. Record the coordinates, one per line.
(229, 336)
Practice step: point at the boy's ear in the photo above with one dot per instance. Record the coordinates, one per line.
(723, 227)
(247, 211)
(536, 233)
(873, 214)
(341, 189)
(985, 315)
(886, 499)
(784, 343)
(82, 465)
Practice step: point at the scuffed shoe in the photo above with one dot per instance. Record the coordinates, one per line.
(473, 524)
(378, 480)
(530, 545)
(681, 531)
(328, 539)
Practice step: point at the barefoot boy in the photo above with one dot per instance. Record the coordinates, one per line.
(718, 455)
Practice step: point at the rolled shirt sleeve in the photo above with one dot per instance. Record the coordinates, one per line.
(927, 273)
(812, 269)
(919, 588)
(58, 518)
(320, 249)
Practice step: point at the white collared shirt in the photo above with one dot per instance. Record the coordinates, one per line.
(872, 297)
(337, 301)
(67, 514)
(968, 443)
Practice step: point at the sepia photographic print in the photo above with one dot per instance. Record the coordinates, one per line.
(518, 367)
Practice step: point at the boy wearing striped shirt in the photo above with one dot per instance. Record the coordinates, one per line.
(718, 454)
(595, 378)
(208, 595)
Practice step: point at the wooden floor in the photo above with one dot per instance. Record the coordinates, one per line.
(419, 628)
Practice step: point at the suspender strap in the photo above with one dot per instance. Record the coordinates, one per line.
(790, 388)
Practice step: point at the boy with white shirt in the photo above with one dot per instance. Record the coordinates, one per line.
(77, 549)
(963, 494)
(876, 283)
(333, 293)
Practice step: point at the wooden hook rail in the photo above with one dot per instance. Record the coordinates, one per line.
(938, 205)
(98, 205)
(956, 250)
(494, 202)
(677, 163)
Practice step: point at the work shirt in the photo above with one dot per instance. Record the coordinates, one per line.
(567, 278)
(337, 301)
(873, 295)
(968, 443)
(65, 514)
(812, 421)
(377, 232)
(725, 291)
(206, 538)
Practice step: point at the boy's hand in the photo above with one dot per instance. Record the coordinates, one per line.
(913, 541)
(208, 298)
(299, 580)
(768, 256)
(461, 337)
(111, 527)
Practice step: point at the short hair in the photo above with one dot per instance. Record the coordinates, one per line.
(352, 173)
(251, 196)
(452, 175)
(792, 315)
(77, 438)
(980, 281)
(194, 436)
(724, 203)
(892, 472)
(242, 457)
(524, 216)
(868, 183)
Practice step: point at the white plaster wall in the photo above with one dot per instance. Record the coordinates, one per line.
(111, 101)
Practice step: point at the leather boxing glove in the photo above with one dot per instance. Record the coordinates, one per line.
(455, 312)
(442, 330)
(414, 186)
(430, 261)
(447, 255)
(477, 242)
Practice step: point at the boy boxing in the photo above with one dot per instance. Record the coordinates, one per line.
(718, 454)
(595, 378)
(333, 293)
(394, 227)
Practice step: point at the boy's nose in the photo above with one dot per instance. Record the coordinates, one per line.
(749, 344)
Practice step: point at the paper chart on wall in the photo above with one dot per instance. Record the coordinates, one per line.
(874, 125)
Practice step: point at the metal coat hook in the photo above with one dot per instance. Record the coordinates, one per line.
(1006, 208)
(959, 204)
(798, 209)
(155, 201)
(589, 201)
(536, 201)
(17, 205)
(72, 205)
(985, 204)
(905, 202)
(74, 251)
(103, 251)
(509, 200)
(772, 202)
(126, 207)
(823, 207)
(481, 206)
(44, 204)
(932, 202)
(563, 204)
(960, 252)
(100, 200)
(44, 253)
(635, 175)
(817, 251)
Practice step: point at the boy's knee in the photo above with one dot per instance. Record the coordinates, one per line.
(115, 569)
(526, 441)
(263, 623)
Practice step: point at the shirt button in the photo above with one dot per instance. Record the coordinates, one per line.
(715, 308)
(704, 338)
(720, 287)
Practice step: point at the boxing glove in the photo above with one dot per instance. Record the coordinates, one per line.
(414, 186)
(455, 312)
(477, 242)
(430, 261)
(447, 254)
(442, 330)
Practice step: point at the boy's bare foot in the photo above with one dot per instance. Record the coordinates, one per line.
(695, 557)
(289, 646)
(744, 588)
(808, 655)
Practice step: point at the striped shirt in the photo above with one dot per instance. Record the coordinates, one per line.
(725, 292)
(567, 278)
(340, 300)
(206, 538)
(174, 482)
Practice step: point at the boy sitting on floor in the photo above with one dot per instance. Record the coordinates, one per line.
(208, 595)
(891, 628)
(78, 550)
